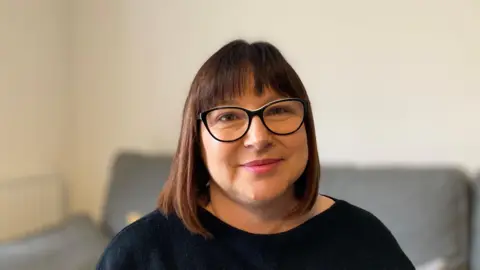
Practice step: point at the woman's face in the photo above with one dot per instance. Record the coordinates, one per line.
(230, 163)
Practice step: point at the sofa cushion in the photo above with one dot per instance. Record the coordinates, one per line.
(136, 180)
(426, 209)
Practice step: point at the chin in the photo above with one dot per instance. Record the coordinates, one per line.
(264, 195)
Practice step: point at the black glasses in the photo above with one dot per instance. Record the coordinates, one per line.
(230, 123)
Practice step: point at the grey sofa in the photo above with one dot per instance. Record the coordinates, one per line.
(433, 213)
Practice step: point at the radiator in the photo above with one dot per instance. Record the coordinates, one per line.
(28, 205)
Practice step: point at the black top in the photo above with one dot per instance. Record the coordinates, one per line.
(342, 237)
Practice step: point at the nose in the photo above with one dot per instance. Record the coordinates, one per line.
(258, 137)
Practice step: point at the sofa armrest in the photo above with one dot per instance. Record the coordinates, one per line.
(475, 225)
(74, 244)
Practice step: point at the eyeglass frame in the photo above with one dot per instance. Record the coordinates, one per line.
(258, 112)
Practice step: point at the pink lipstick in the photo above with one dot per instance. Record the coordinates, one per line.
(262, 165)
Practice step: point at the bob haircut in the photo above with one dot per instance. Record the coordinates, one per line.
(226, 75)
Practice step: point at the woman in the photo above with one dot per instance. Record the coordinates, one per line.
(243, 187)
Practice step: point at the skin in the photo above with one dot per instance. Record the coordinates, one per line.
(257, 203)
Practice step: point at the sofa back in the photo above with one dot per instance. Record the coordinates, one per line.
(427, 209)
(135, 182)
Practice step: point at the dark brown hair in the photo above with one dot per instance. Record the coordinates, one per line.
(226, 75)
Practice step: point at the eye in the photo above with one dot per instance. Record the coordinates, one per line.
(227, 117)
(277, 110)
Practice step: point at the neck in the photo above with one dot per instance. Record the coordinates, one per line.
(262, 218)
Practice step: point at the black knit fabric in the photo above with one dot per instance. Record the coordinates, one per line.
(342, 237)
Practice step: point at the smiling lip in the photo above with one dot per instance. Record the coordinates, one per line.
(262, 165)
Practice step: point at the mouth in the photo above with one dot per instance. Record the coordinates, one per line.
(262, 165)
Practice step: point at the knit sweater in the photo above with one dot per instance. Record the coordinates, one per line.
(342, 237)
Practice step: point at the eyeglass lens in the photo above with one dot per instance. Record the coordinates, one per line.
(229, 124)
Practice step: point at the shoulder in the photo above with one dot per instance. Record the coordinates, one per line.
(126, 249)
(367, 232)
(357, 216)
(364, 223)
(349, 218)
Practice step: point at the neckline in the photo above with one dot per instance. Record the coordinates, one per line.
(220, 227)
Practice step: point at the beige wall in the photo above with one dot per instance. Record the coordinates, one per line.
(33, 86)
(390, 81)
(33, 116)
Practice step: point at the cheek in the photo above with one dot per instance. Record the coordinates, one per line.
(212, 149)
(298, 144)
(217, 156)
(296, 147)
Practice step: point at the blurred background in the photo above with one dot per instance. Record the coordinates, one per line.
(391, 82)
